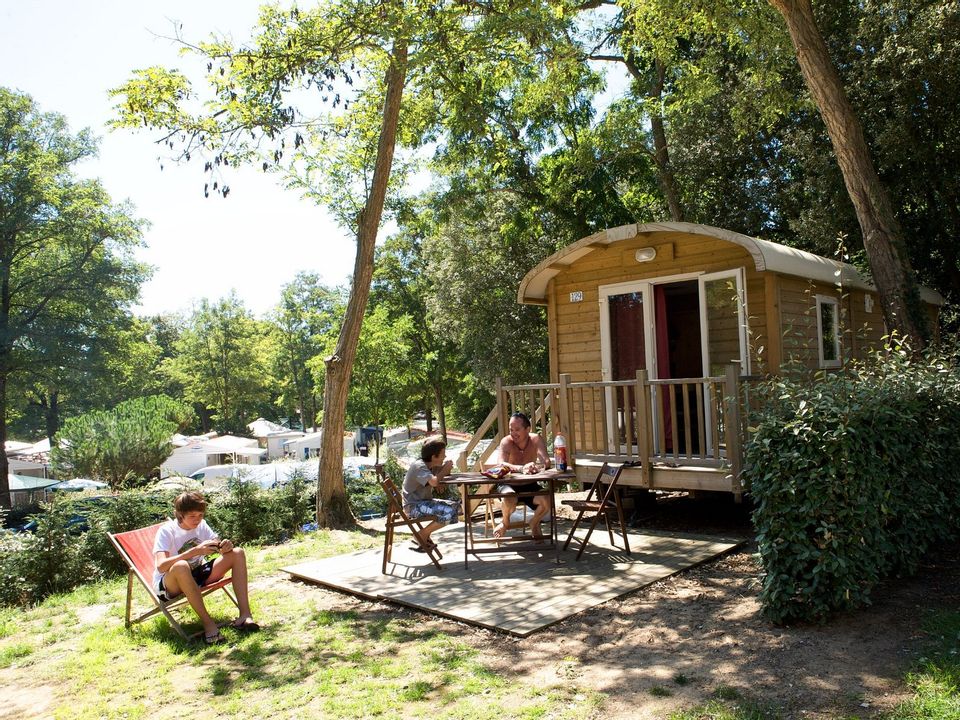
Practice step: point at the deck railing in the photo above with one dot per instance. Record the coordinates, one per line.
(675, 422)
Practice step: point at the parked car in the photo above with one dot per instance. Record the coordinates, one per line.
(79, 520)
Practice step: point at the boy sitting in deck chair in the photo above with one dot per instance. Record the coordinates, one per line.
(422, 477)
(180, 550)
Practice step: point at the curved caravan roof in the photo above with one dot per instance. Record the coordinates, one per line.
(767, 256)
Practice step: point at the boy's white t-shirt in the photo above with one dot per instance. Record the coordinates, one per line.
(174, 540)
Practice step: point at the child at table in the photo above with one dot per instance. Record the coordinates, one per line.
(422, 477)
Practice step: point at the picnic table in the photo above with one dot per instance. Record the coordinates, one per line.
(475, 486)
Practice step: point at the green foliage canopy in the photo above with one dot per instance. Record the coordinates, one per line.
(122, 445)
(67, 273)
(221, 362)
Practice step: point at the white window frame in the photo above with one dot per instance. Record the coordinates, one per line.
(829, 300)
(738, 275)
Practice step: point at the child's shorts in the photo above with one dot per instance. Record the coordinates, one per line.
(200, 573)
(446, 511)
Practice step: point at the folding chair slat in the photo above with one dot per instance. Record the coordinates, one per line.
(601, 506)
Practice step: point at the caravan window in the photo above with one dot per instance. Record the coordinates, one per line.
(828, 331)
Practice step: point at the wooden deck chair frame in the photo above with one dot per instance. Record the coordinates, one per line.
(136, 549)
(600, 507)
(396, 517)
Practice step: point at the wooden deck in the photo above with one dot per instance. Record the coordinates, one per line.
(512, 593)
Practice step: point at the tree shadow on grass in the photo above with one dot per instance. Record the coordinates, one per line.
(284, 655)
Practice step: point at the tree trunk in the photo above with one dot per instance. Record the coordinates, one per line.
(6, 358)
(52, 414)
(441, 413)
(332, 507)
(5, 499)
(661, 151)
(661, 154)
(882, 237)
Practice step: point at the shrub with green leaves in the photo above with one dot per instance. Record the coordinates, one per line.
(365, 495)
(120, 446)
(854, 476)
(247, 513)
(12, 552)
(293, 504)
(49, 557)
(125, 511)
(243, 512)
(69, 545)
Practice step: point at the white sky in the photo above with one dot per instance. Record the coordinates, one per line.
(67, 54)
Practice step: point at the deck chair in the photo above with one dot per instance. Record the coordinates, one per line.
(397, 517)
(136, 549)
(602, 503)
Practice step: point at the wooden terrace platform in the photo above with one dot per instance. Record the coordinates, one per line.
(513, 593)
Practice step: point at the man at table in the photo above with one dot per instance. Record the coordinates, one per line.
(522, 452)
(422, 477)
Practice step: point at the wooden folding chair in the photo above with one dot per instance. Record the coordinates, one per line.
(601, 506)
(136, 549)
(397, 517)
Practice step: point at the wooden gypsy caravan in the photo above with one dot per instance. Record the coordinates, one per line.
(653, 330)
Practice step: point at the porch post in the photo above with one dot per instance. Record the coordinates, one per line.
(566, 422)
(643, 428)
(731, 426)
(503, 422)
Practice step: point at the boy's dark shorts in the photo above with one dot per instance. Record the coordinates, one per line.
(521, 488)
(200, 573)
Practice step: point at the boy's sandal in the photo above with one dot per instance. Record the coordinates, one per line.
(214, 639)
(246, 626)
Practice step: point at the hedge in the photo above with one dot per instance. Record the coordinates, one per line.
(59, 555)
(854, 476)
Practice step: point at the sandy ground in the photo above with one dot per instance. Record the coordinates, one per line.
(687, 639)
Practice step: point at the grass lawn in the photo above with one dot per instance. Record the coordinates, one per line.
(72, 658)
(323, 654)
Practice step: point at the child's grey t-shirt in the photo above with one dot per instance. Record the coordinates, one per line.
(416, 486)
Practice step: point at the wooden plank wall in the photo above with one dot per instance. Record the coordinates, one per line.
(861, 331)
(575, 326)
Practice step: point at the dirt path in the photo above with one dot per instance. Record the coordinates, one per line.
(700, 634)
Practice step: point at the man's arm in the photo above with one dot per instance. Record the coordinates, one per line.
(542, 455)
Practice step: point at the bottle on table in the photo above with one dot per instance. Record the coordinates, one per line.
(560, 452)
